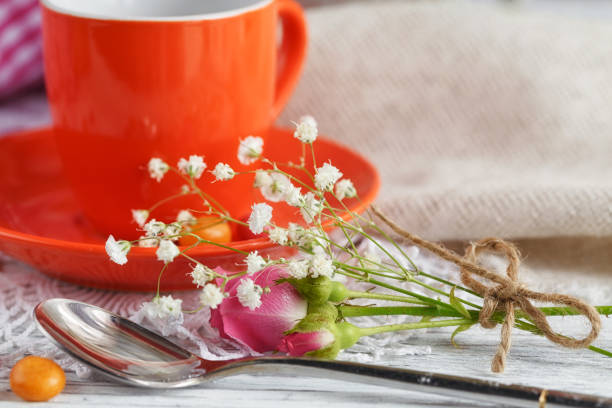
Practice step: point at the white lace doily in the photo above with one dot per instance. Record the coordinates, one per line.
(21, 288)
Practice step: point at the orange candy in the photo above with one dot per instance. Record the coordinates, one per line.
(210, 228)
(37, 378)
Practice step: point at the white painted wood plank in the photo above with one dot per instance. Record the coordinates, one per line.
(533, 361)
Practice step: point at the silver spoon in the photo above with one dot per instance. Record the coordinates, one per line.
(129, 353)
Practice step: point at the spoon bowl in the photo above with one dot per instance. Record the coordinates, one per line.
(129, 353)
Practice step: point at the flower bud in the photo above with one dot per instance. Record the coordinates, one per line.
(339, 292)
(324, 341)
(314, 290)
(327, 310)
(299, 344)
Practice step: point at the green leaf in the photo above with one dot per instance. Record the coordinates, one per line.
(457, 305)
(458, 330)
(426, 318)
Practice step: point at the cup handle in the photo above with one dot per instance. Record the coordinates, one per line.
(291, 52)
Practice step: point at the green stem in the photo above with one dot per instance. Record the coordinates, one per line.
(446, 282)
(167, 199)
(382, 296)
(409, 293)
(205, 241)
(600, 351)
(368, 331)
(356, 311)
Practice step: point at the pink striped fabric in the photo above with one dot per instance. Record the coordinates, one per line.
(20, 45)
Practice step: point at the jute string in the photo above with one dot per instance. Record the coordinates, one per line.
(504, 292)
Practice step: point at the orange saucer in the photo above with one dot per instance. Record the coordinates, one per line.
(41, 224)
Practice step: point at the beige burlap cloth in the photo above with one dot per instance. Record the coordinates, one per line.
(483, 121)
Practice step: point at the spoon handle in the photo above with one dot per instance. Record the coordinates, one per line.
(411, 380)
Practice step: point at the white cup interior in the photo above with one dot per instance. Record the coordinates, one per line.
(154, 9)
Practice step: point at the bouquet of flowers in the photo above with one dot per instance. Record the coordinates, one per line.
(300, 306)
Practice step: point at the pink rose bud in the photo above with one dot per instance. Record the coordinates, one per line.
(261, 329)
(298, 344)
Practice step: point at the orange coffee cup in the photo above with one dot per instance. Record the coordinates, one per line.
(128, 80)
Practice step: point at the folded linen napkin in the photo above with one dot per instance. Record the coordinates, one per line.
(482, 120)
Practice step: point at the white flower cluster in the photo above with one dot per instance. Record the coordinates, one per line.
(273, 186)
(223, 172)
(277, 187)
(140, 217)
(211, 296)
(319, 264)
(326, 177)
(192, 167)
(306, 130)
(306, 238)
(249, 294)
(279, 235)
(311, 208)
(260, 217)
(185, 217)
(255, 262)
(156, 234)
(157, 168)
(345, 189)
(117, 250)
(201, 275)
(250, 149)
(167, 251)
(163, 307)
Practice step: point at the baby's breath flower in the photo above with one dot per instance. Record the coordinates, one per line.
(167, 251)
(294, 197)
(321, 265)
(211, 296)
(306, 239)
(163, 307)
(260, 217)
(147, 242)
(140, 217)
(202, 274)
(154, 228)
(311, 208)
(262, 179)
(296, 233)
(249, 294)
(276, 190)
(326, 176)
(194, 167)
(185, 189)
(250, 149)
(172, 230)
(306, 130)
(255, 262)
(345, 189)
(185, 217)
(223, 172)
(298, 268)
(117, 250)
(157, 168)
(279, 235)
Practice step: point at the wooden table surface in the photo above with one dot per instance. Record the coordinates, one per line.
(533, 361)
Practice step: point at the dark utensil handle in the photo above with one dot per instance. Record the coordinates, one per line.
(412, 380)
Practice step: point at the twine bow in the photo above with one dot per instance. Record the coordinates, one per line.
(505, 292)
